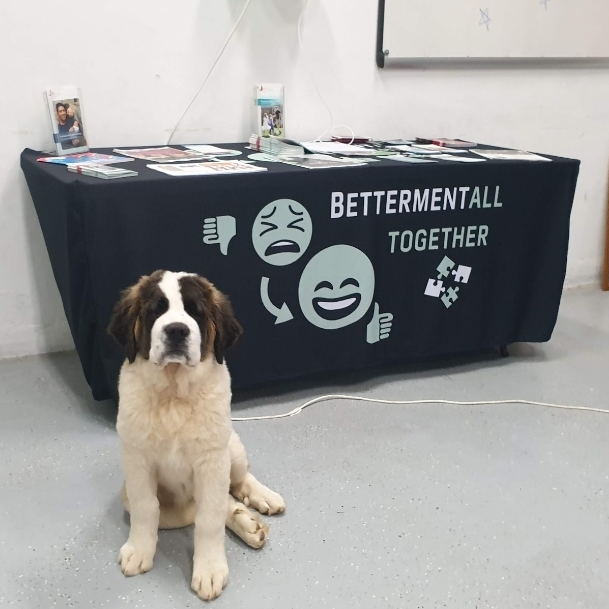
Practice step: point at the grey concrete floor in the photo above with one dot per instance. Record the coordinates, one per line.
(388, 506)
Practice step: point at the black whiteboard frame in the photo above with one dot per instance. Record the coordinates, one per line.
(384, 60)
(380, 26)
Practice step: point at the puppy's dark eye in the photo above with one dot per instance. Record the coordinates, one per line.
(161, 307)
(191, 307)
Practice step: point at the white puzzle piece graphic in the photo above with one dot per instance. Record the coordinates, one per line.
(447, 269)
(434, 288)
(462, 273)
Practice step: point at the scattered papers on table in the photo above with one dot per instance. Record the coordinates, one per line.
(85, 158)
(436, 148)
(337, 148)
(409, 159)
(320, 161)
(411, 148)
(510, 155)
(459, 159)
(210, 150)
(162, 154)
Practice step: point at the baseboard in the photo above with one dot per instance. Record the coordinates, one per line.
(35, 341)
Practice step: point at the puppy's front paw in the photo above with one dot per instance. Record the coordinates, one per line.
(135, 560)
(249, 526)
(267, 501)
(209, 581)
(256, 495)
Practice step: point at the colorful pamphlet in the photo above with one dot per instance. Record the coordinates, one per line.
(269, 111)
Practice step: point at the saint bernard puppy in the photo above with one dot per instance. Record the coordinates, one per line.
(182, 461)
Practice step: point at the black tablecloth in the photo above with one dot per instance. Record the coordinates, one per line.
(328, 269)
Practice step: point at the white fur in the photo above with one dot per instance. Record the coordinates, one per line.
(170, 286)
(176, 434)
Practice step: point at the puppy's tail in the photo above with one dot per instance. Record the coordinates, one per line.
(173, 515)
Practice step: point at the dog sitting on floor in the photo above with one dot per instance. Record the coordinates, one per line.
(182, 461)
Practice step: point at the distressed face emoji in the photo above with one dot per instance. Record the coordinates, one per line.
(336, 287)
(282, 232)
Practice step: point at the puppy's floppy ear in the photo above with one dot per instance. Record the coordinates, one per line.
(227, 328)
(123, 321)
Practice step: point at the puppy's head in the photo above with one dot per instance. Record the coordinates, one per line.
(174, 317)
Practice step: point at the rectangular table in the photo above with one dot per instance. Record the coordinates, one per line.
(329, 269)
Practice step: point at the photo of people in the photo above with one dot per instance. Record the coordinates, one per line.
(272, 121)
(68, 119)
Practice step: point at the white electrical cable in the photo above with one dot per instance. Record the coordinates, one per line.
(318, 138)
(247, 3)
(325, 398)
(304, 8)
(312, 78)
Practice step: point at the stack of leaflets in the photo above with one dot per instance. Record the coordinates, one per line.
(102, 171)
(276, 145)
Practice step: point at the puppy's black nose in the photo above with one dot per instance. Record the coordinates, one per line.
(177, 332)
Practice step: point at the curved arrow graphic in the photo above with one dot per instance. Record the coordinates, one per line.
(281, 314)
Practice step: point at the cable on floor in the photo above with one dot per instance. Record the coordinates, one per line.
(326, 398)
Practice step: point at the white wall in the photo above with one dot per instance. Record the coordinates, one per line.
(140, 62)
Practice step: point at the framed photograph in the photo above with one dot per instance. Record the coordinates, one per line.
(67, 119)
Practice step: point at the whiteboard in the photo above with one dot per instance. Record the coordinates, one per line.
(492, 29)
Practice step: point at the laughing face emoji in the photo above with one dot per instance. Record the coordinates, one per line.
(282, 232)
(336, 288)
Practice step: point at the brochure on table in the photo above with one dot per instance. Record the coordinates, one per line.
(211, 168)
